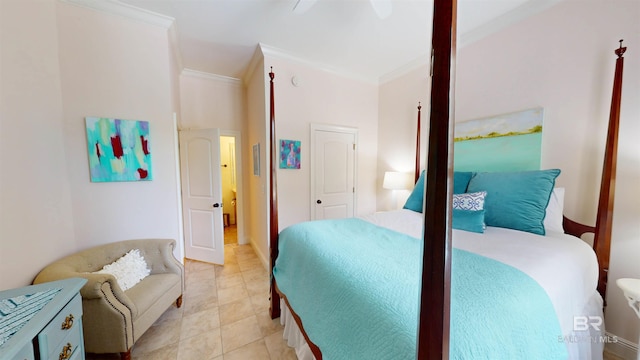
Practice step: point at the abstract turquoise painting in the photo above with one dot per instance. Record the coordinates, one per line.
(118, 149)
(508, 142)
(289, 154)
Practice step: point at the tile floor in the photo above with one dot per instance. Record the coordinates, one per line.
(225, 315)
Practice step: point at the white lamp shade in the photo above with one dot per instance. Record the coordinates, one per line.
(397, 180)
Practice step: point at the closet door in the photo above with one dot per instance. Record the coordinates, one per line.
(333, 172)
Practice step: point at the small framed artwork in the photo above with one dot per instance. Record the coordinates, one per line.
(256, 159)
(289, 154)
(118, 149)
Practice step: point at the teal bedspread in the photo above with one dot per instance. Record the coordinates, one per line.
(355, 287)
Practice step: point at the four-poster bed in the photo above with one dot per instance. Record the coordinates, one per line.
(433, 340)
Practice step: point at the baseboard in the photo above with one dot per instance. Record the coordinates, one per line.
(264, 260)
(622, 347)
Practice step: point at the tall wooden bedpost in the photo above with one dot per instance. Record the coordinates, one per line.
(274, 308)
(604, 220)
(417, 169)
(433, 328)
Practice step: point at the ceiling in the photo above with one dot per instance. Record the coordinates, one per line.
(345, 36)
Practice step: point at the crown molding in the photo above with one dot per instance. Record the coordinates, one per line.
(274, 52)
(115, 7)
(210, 76)
(511, 17)
(422, 60)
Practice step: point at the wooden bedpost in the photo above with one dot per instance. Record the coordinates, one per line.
(417, 171)
(274, 308)
(604, 220)
(433, 328)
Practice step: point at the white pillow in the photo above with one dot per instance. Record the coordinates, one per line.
(553, 218)
(129, 270)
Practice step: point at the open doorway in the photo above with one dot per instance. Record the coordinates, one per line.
(229, 177)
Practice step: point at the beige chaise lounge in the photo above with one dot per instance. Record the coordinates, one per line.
(113, 319)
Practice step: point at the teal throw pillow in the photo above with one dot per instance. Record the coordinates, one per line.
(468, 220)
(460, 183)
(516, 200)
(414, 202)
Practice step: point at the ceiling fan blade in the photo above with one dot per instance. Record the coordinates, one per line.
(303, 5)
(383, 8)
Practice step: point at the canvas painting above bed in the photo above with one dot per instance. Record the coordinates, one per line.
(507, 142)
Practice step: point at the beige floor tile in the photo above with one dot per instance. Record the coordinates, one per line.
(268, 325)
(197, 266)
(231, 294)
(227, 269)
(173, 313)
(244, 249)
(246, 256)
(228, 281)
(205, 346)
(240, 333)
(278, 348)
(200, 322)
(156, 337)
(169, 352)
(237, 310)
(260, 303)
(195, 304)
(255, 351)
(257, 287)
(250, 264)
(256, 275)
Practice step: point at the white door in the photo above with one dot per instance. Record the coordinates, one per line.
(333, 160)
(202, 195)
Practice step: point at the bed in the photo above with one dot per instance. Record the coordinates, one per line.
(509, 300)
(495, 293)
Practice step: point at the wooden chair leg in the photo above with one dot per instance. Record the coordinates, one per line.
(179, 301)
(125, 355)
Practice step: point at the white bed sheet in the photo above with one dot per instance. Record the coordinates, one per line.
(565, 266)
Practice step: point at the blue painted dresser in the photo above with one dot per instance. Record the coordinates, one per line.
(42, 322)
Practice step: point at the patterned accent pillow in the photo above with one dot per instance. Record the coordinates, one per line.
(469, 201)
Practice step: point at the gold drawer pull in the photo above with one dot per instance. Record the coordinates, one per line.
(68, 322)
(66, 352)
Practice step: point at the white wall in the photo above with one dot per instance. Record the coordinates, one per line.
(563, 60)
(398, 104)
(322, 98)
(256, 187)
(36, 220)
(111, 66)
(61, 63)
(211, 101)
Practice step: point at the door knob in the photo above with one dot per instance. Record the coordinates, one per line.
(217, 205)
(318, 201)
